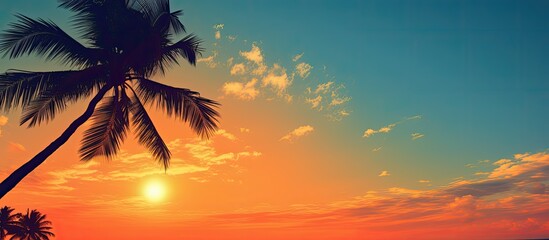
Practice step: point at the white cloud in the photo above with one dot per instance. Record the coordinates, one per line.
(277, 78)
(227, 135)
(254, 55)
(297, 57)
(243, 91)
(209, 61)
(298, 132)
(231, 38)
(315, 102)
(522, 164)
(204, 151)
(218, 27)
(238, 69)
(260, 69)
(424, 181)
(387, 129)
(370, 132)
(384, 174)
(417, 136)
(414, 117)
(303, 69)
(377, 149)
(323, 87)
(344, 113)
(338, 101)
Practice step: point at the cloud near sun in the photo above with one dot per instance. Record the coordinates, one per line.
(509, 201)
(194, 157)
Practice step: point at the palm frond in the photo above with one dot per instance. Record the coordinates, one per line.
(67, 89)
(45, 38)
(182, 103)
(109, 128)
(147, 133)
(160, 16)
(19, 88)
(76, 5)
(104, 24)
(188, 48)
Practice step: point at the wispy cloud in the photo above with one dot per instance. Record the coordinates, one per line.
(417, 136)
(505, 207)
(315, 102)
(278, 78)
(297, 57)
(16, 147)
(225, 134)
(254, 55)
(245, 91)
(210, 61)
(327, 96)
(238, 69)
(370, 132)
(193, 157)
(218, 28)
(323, 88)
(384, 174)
(303, 69)
(298, 132)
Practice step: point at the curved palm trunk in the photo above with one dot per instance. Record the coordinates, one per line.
(13, 179)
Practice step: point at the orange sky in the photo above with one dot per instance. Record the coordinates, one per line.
(310, 146)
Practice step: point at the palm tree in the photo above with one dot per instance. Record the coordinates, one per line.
(126, 42)
(8, 221)
(32, 226)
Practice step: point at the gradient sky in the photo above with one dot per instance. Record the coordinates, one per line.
(340, 120)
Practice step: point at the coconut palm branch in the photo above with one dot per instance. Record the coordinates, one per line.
(32, 226)
(8, 221)
(125, 43)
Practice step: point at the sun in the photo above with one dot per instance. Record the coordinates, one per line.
(154, 191)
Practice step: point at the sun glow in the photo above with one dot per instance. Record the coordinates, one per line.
(154, 191)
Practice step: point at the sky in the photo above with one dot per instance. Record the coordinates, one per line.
(339, 120)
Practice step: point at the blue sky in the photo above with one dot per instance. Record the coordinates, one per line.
(475, 70)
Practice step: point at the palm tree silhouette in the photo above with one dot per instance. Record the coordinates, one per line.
(8, 221)
(32, 226)
(127, 42)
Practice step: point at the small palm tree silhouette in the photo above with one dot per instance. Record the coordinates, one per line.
(32, 226)
(8, 221)
(127, 42)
